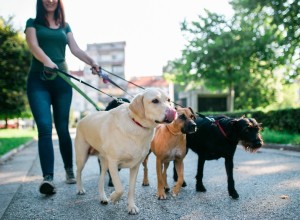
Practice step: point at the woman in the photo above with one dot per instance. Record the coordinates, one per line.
(47, 36)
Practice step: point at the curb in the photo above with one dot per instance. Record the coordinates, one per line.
(14, 151)
(282, 147)
(11, 153)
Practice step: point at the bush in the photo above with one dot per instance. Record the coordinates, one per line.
(278, 120)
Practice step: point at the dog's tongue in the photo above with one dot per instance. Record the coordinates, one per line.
(170, 114)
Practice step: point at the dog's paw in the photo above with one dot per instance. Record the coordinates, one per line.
(115, 196)
(110, 183)
(103, 199)
(234, 194)
(175, 191)
(133, 210)
(80, 192)
(161, 196)
(104, 202)
(200, 188)
(145, 184)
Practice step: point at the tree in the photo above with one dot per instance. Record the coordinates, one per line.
(14, 64)
(283, 17)
(231, 55)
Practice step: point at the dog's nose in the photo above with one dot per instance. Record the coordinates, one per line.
(258, 144)
(192, 127)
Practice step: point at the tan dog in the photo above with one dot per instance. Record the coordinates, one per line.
(169, 144)
(122, 137)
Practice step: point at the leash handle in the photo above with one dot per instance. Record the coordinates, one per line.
(48, 73)
(123, 79)
(104, 76)
(106, 79)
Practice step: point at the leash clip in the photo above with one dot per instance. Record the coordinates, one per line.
(211, 119)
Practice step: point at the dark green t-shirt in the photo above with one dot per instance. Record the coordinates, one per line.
(53, 42)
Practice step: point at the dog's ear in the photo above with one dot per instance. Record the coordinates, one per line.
(255, 123)
(191, 110)
(194, 116)
(234, 121)
(137, 106)
(177, 107)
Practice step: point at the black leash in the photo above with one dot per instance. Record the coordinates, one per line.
(107, 78)
(122, 78)
(66, 76)
(85, 83)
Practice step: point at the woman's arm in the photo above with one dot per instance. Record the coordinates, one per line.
(35, 49)
(80, 54)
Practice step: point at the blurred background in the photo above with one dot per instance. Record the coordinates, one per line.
(233, 57)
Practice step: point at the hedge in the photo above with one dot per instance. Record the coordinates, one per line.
(279, 120)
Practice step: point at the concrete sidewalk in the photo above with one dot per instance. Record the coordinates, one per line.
(21, 175)
(13, 173)
(16, 169)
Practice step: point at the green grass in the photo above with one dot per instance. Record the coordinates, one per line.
(277, 137)
(13, 138)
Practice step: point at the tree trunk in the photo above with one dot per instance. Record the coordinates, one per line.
(6, 123)
(230, 103)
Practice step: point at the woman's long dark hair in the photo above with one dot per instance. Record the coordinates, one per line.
(59, 14)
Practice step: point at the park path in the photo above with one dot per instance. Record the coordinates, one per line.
(268, 183)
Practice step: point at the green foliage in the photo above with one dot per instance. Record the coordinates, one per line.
(253, 53)
(14, 64)
(287, 96)
(283, 20)
(279, 126)
(283, 120)
(232, 55)
(270, 136)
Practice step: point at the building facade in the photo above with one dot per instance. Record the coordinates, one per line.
(111, 57)
(201, 101)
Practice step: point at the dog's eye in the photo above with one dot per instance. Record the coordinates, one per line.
(182, 117)
(155, 101)
(247, 130)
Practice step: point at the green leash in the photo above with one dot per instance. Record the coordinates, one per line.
(53, 75)
(67, 79)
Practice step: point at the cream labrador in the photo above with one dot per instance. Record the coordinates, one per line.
(122, 136)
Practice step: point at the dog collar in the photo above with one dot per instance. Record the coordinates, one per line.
(137, 123)
(172, 132)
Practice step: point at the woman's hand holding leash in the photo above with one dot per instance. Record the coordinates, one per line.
(98, 71)
(95, 68)
(49, 67)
